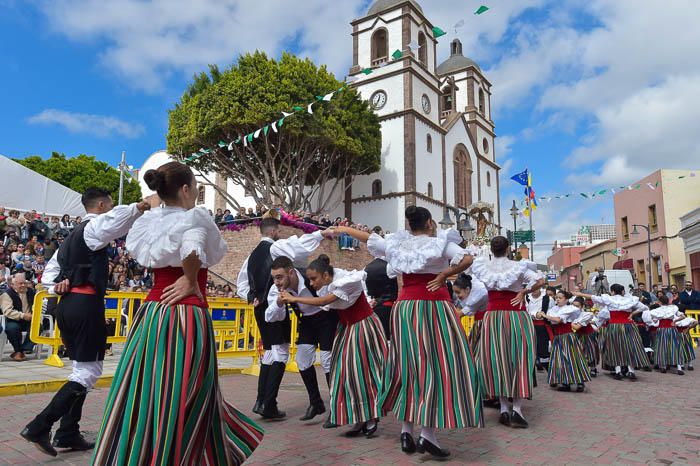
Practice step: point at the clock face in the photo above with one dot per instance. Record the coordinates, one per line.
(378, 100)
(425, 102)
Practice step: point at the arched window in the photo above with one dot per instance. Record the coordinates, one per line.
(380, 47)
(200, 195)
(376, 188)
(482, 106)
(488, 179)
(429, 143)
(446, 101)
(462, 177)
(430, 189)
(422, 49)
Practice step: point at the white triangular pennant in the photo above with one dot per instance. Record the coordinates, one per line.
(245, 141)
(651, 186)
(328, 96)
(309, 109)
(230, 146)
(286, 114)
(414, 45)
(274, 126)
(257, 133)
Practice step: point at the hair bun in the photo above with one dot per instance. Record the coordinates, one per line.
(154, 179)
(325, 259)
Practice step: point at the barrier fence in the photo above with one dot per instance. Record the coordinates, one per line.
(235, 330)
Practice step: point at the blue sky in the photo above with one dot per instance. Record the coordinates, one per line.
(587, 94)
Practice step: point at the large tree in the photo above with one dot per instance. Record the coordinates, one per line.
(304, 163)
(82, 172)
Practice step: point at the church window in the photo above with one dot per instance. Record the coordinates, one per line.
(488, 179)
(422, 49)
(446, 100)
(485, 145)
(482, 106)
(200, 195)
(429, 144)
(380, 47)
(430, 189)
(462, 177)
(376, 188)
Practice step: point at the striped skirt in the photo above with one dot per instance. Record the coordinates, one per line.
(164, 405)
(687, 346)
(591, 348)
(430, 377)
(507, 354)
(567, 364)
(473, 339)
(357, 365)
(668, 348)
(622, 346)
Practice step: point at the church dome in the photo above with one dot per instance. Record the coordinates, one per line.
(457, 61)
(381, 5)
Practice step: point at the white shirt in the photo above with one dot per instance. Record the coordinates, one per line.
(618, 303)
(568, 314)
(477, 300)
(297, 249)
(665, 312)
(534, 305)
(276, 313)
(99, 232)
(408, 253)
(687, 322)
(347, 286)
(165, 236)
(503, 274)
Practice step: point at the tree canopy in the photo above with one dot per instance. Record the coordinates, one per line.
(82, 172)
(307, 160)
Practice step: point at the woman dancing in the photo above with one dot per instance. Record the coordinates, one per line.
(164, 404)
(430, 377)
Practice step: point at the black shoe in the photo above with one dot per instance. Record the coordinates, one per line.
(553, 385)
(328, 424)
(646, 369)
(41, 442)
(594, 372)
(312, 412)
(691, 368)
(663, 370)
(517, 421)
(580, 387)
(355, 432)
(273, 414)
(371, 431)
(539, 366)
(632, 376)
(76, 444)
(426, 446)
(504, 419)
(565, 387)
(258, 408)
(408, 445)
(492, 403)
(617, 376)
(680, 372)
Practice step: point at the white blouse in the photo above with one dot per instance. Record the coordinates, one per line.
(567, 314)
(346, 286)
(477, 301)
(584, 319)
(666, 312)
(165, 236)
(618, 303)
(534, 305)
(649, 319)
(687, 322)
(503, 274)
(408, 253)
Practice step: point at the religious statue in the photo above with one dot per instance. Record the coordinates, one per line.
(481, 225)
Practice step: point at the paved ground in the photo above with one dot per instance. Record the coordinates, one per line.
(655, 420)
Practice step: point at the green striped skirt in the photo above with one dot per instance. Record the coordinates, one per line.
(164, 405)
(567, 363)
(687, 346)
(473, 339)
(507, 354)
(622, 346)
(357, 365)
(591, 347)
(430, 377)
(668, 347)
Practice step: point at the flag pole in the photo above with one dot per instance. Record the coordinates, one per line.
(529, 207)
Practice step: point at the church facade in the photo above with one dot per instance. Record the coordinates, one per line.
(437, 132)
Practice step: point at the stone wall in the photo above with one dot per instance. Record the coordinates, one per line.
(241, 243)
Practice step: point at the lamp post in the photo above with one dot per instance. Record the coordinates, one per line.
(514, 214)
(122, 168)
(635, 232)
(446, 222)
(463, 224)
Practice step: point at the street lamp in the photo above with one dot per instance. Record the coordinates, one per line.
(446, 222)
(123, 167)
(463, 224)
(514, 213)
(635, 232)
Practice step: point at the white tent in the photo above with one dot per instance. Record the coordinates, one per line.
(24, 189)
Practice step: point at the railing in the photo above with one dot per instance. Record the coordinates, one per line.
(695, 332)
(379, 61)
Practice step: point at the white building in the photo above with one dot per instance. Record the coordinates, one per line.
(690, 233)
(208, 195)
(437, 129)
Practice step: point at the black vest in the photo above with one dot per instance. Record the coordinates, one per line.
(259, 276)
(80, 264)
(379, 285)
(17, 301)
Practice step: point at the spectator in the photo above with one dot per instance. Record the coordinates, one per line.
(241, 214)
(600, 283)
(654, 293)
(3, 221)
(38, 267)
(13, 223)
(689, 298)
(52, 223)
(78, 221)
(219, 216)
(4, 278)
(28, 268)
(5, 258)
(39, 229)
(228, 216)
(251, 214)
(65, 226)
(16, 306)
(136, 282)
(18, 256)
(49, 248)
(644, 295)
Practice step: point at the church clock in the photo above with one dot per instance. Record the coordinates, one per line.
(378, 100)
(425, 102)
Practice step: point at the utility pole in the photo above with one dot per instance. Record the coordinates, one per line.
(122, 167)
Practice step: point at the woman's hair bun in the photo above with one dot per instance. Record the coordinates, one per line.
(417, 217)
(154, 179)
(325, 259)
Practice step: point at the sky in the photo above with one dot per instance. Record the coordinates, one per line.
(587, 94)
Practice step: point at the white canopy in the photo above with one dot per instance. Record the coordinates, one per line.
(24, 189)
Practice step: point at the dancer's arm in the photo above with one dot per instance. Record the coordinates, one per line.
(298, 248)
(582, 295)
(439, 281)
(187, 284)
(107, 227)
(362, 236)
(308, 300)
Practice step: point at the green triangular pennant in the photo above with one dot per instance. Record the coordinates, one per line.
(319, 97)
(222, 144)
(638, 186)
(437, 32)
(367, 71)
(603, 191)
(297, 108)
(481, 9)
(266, 129)
(250, 137)
(397, 54)
(280, 123)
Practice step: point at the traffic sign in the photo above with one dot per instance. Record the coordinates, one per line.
(551, 277)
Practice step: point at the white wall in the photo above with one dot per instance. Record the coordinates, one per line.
(392, 171)
(364, 39)
(387, 213)
(488, 194)
(428, 165)
(393, 87)
(420, 88)
(480, 136)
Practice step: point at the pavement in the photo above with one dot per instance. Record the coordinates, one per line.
(654, 420)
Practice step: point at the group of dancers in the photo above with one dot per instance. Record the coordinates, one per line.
(383, 348)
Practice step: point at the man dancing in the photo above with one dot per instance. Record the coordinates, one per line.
(79, 271)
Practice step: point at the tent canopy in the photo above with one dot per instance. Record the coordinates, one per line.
(24, 189)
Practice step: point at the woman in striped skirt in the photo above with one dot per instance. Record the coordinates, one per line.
(430, 377)
(359, 348)
(567, 364)
(684, 326)
(588, 336)
(507, 345)
(164, 405)
(622, 344)
(668, 345)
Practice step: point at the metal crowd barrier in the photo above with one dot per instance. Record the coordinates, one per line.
(695, 332)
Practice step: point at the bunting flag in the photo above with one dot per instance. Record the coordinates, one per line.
(437, 32)
(458, 25)
(397, 54)
(521, 178)
(482, 9)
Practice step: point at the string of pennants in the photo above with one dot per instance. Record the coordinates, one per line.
(276, 125)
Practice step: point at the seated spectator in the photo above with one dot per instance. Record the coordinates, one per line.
(19, 256)
(39, 229)
(5, 258)
(219, 216)
(16, 306)
(136, 282)
(241, 214)
(65, 226)
(52, 223)
(228, 216)
(28, 269)
(3, 221)
(13, 223)
(38, 267)
(251, 214)
(4, 277)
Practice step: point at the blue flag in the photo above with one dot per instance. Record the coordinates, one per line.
(521, 178)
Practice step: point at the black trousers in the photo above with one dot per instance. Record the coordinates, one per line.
(14, 329)
(81, 318)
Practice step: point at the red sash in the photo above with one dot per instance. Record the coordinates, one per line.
(415, 288)
(562, 329)
(500, 301)
(587, 330)
(666, 323)
(355, 313)
(83, 289)
(620, 317)
(166, 276)
(479, 316)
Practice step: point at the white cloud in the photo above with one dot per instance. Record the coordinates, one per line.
(97, 125)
